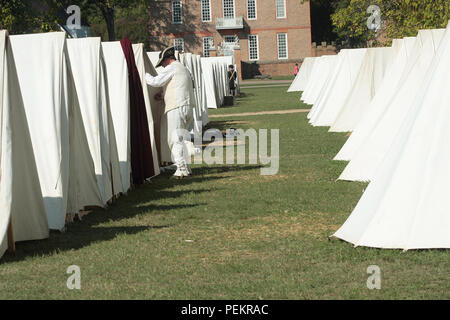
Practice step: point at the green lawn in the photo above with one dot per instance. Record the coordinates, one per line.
(263, 99)
(250, 236)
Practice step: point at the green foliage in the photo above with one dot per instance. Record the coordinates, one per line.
(401, 18)
(129, 21)
(24, 16)
(406, 18)
(350, 22)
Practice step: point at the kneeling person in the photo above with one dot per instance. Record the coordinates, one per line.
(178, 94)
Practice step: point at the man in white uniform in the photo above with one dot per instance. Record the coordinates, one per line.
(178, 95)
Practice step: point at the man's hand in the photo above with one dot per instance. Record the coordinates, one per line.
(158, 96)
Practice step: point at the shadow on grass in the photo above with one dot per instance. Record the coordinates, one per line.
(227, 124)
(139, 201)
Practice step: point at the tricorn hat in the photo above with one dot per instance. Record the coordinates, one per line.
(168, 52)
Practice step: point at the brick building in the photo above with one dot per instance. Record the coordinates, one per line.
(272, 35)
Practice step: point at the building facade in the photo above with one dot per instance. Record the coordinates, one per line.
(272, 35)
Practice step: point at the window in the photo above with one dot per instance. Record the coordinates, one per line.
(253, 52)
(251, 9)
(208, 42)
(206, 10)
(282, 45)
(228, 8)
(280, 6)
(178, 43)
(231, 39)
(177, 12)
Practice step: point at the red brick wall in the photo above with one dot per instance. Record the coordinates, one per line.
(297, 25)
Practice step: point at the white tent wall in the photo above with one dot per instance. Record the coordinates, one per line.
(393, 82)
(318, 64)
(327, 86)
(302, 77)
(144, 66)
(368, 81)
(210, 87)
(325, 72)
(340, 87)
(187, 60)
(399, 212)
(83, 188)
(321, 72)
(119, 99)
(392, 76)
(200, 89)
(154, 57)
(215, 76)
(372, 142)
(90, 83)
(65, 166)
(20, 191)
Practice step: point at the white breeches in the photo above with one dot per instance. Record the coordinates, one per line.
(177, 122)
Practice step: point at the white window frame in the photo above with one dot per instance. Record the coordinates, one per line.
(257, 47)
(276, 9)
(175, 43)
(256, 11)
(234, 8)
(278, 46)
(209, 10)
(181, 12)
(211, 44)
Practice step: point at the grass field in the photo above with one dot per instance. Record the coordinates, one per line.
(229, 233)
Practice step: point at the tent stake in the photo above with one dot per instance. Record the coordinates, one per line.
(10, 235)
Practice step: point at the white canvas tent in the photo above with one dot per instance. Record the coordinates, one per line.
(301, 80)
(400, 52)
(88, 69)
(153, 107)
(406, 206)
(119, 98)
(368, 81)
(154, 57)
(21, 203)
(370, 141)
(187, 61)
(200, 89)
(64, 163)
(327, 85)
(209, 76)
(325, 68)
(348, 65)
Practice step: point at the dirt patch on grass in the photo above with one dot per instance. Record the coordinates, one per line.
(244, 114)
(276, 226)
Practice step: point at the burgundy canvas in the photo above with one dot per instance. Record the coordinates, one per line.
(141, 149)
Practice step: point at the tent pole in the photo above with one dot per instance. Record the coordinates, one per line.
(10, 235)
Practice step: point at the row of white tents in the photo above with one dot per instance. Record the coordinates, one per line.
(396, 103)
(66, 127)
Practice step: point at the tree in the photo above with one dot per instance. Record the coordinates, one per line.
(350, 23)
(130, 22)
(107, 9)
(400, 18)
(18, 16)
(407, 17)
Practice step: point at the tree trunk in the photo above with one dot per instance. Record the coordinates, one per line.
(108, 14)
